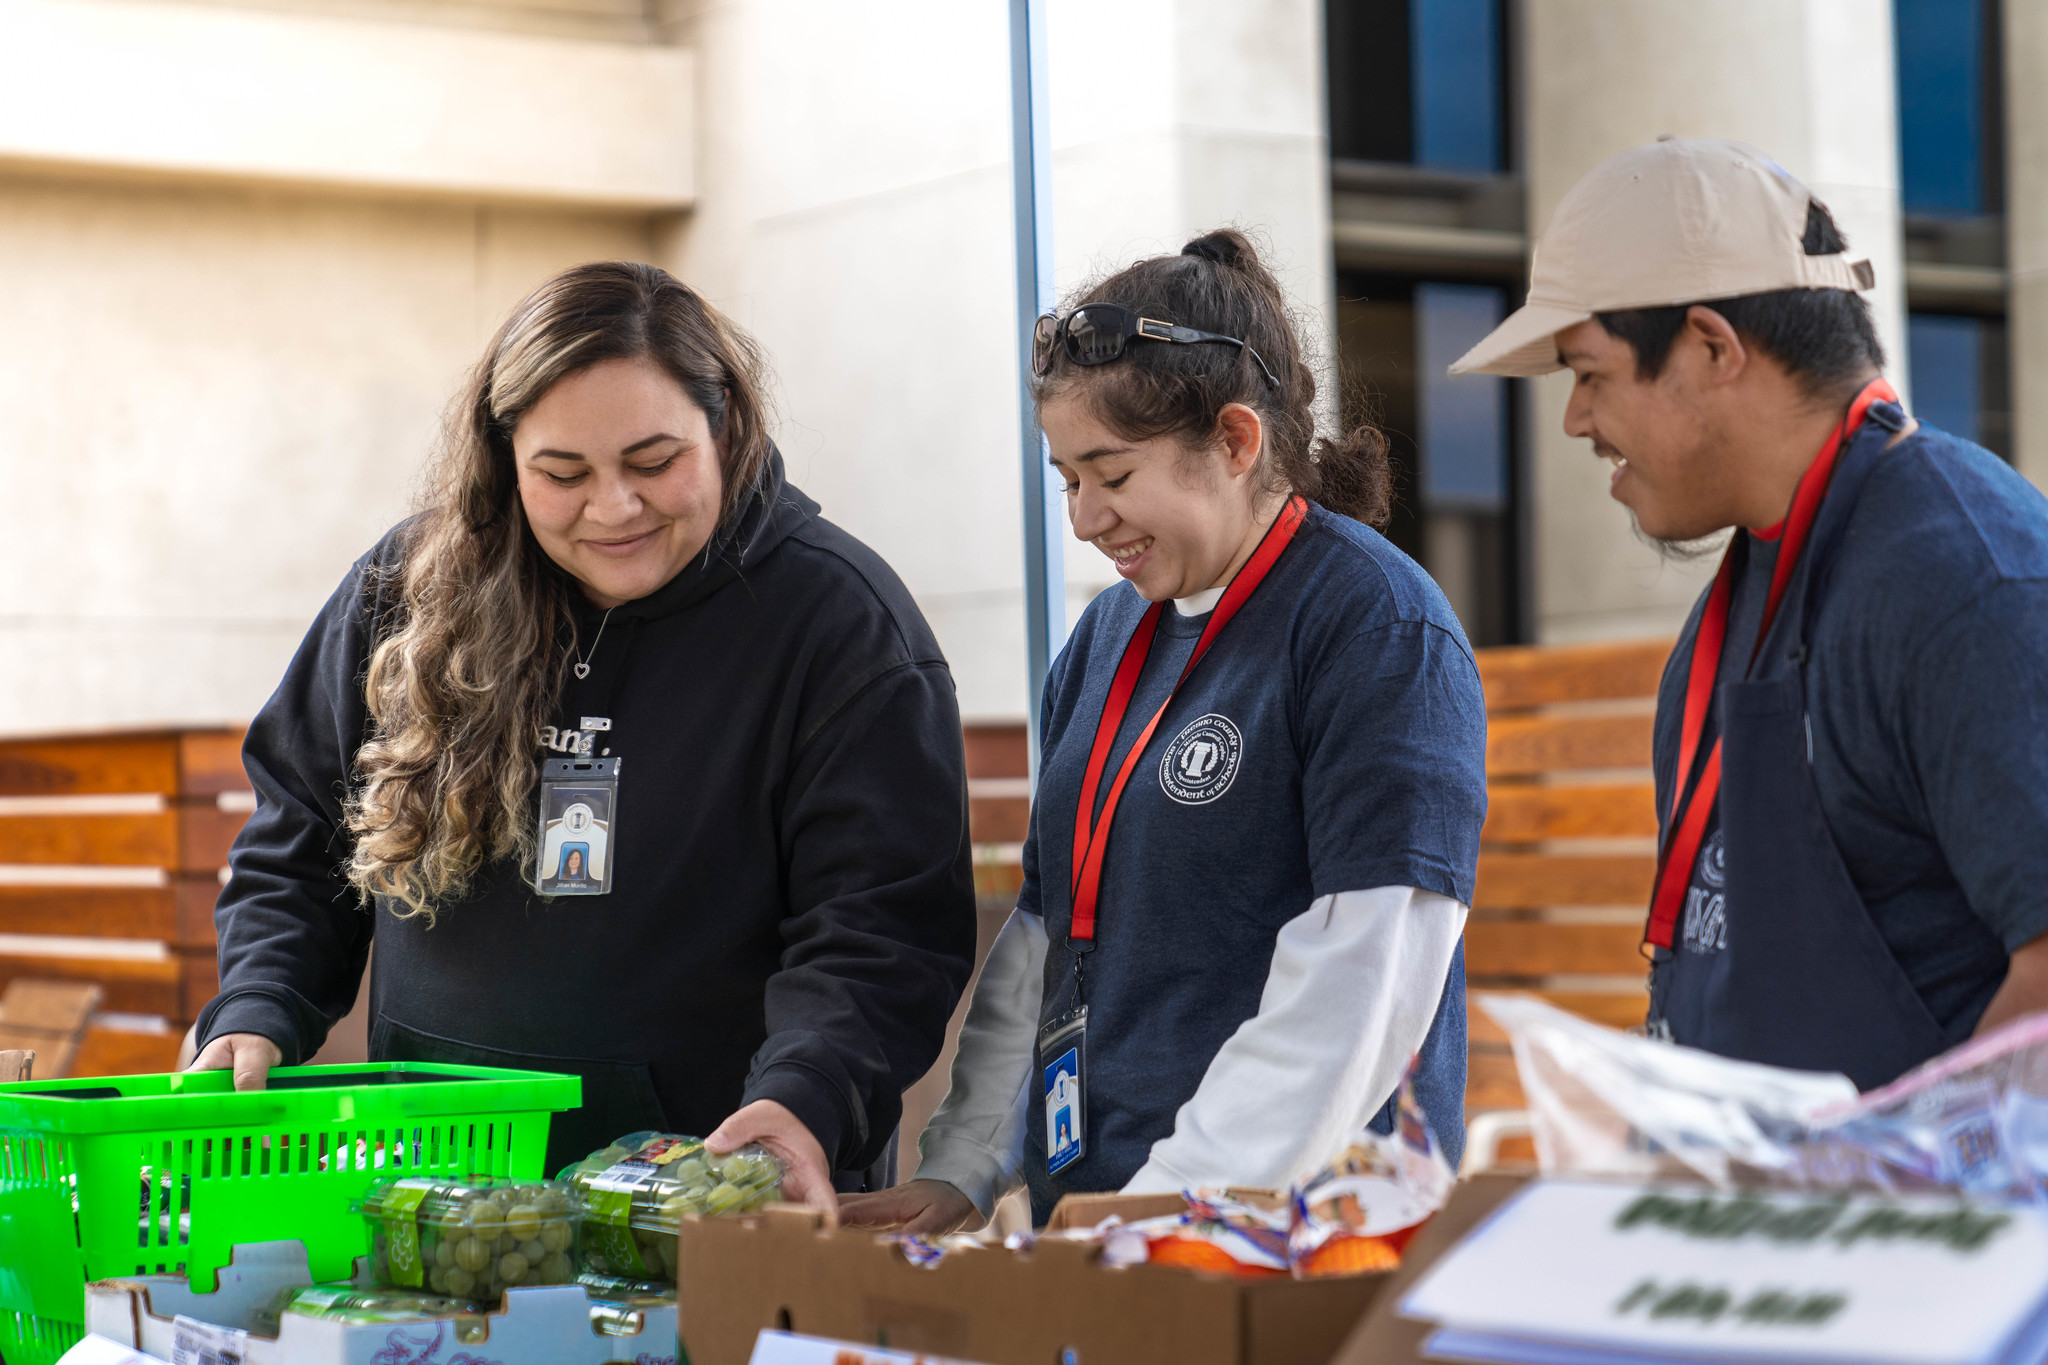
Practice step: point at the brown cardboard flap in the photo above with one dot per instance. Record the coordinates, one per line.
(1086, 1210)
(1387, 1338)
(785, 1269)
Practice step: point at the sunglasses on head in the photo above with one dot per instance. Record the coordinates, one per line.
(1097, 333)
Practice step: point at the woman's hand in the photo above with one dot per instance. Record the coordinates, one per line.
(249, 1055)
(931, 1207)
(809, 1179)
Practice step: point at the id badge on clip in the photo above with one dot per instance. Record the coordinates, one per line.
(578, 800)
(1062, 1052)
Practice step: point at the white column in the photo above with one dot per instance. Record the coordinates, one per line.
(1808, 81)
(1215, 116)
(854, 212)
(2026, 219)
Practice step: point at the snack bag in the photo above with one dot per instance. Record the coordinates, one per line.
(1223, 1235)
(472, 1238)
(638, 1189)
(1356, 1214)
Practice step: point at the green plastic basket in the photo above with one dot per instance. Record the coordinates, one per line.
(131, 1175)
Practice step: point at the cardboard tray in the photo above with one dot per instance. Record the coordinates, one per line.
(549, 1325)
(790, 1268)
(1384, 1337)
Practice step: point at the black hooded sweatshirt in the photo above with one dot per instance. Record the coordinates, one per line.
(791, 913)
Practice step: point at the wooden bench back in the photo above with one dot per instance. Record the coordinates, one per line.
(1569, 847)
(111, 849)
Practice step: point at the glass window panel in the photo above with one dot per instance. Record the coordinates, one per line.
(1462, 421)
(1457, 82)
(1945, 356)
(1941, 77)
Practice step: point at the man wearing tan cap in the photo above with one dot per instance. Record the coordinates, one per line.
(1852, 733)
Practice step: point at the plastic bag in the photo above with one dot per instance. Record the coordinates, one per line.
(1606, 1103)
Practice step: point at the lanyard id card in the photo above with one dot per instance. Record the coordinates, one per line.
(1062, 1051)
(578, 799)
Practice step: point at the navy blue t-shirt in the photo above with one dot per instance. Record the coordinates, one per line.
(1927, 702)
(1333, 739)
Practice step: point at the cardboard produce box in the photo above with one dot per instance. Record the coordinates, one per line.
(1384, 1337)
(790, 1269)
(544, 1325)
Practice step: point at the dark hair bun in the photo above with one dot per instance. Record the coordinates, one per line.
(1221, 246)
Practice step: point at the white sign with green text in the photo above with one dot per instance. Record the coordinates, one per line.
(1700, 1274)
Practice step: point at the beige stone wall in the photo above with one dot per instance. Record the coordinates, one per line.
(211, 401)
(2026, 217)
(854, 211)
(1808, 81)
(226, 352)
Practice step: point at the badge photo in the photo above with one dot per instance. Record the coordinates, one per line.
(577, 800)
(1061, 1046)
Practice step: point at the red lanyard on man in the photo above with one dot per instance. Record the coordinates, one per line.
(1689, 814)
(1091, 836)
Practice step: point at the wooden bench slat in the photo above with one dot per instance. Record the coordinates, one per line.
(1538, 881)
(118, 1052)
(186, 837)
(1614, 1009)
(205, 833)
(89, 765)
(1545, 675)
(210, 762)
(1529, 746)
(92, 911)
(1534, 948)
(138, 840)
(1526, 815)
(998, 819)
(131, 987)
(998, 750)
(1491, 1081)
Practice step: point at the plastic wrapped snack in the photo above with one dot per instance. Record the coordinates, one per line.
(351, 1303)
(1357, 1214)
(638, 1189)
(472, 1238)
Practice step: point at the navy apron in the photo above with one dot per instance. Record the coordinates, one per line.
(1805, 979)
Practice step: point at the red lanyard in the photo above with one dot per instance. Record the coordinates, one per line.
(1689, 816)
(1091, 837)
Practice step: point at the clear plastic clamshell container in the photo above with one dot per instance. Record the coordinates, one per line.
(473, 1238)
(351, 1303)
(637, 1190)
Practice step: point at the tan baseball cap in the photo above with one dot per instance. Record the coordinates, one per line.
(1680, 221)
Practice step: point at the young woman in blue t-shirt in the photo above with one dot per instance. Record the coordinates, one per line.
(1260, 790)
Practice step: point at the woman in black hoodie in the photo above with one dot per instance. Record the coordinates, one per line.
(611, 566)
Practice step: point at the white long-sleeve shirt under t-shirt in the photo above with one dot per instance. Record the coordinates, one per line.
(1350, 994)
(1352, 989)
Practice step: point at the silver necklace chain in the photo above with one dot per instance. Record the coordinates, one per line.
(583, 664)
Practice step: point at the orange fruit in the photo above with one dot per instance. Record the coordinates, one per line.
(1192, 1253)
(1351, 1256)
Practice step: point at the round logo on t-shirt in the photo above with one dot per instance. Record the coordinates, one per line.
(1714, 862)
(1201, 762)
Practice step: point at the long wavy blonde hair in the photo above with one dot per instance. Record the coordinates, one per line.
(472, 664)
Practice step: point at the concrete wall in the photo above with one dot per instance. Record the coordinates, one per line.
(854, 211)
(227, 349)
(1808, 81)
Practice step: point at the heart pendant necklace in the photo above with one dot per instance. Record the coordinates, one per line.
(583, 664)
